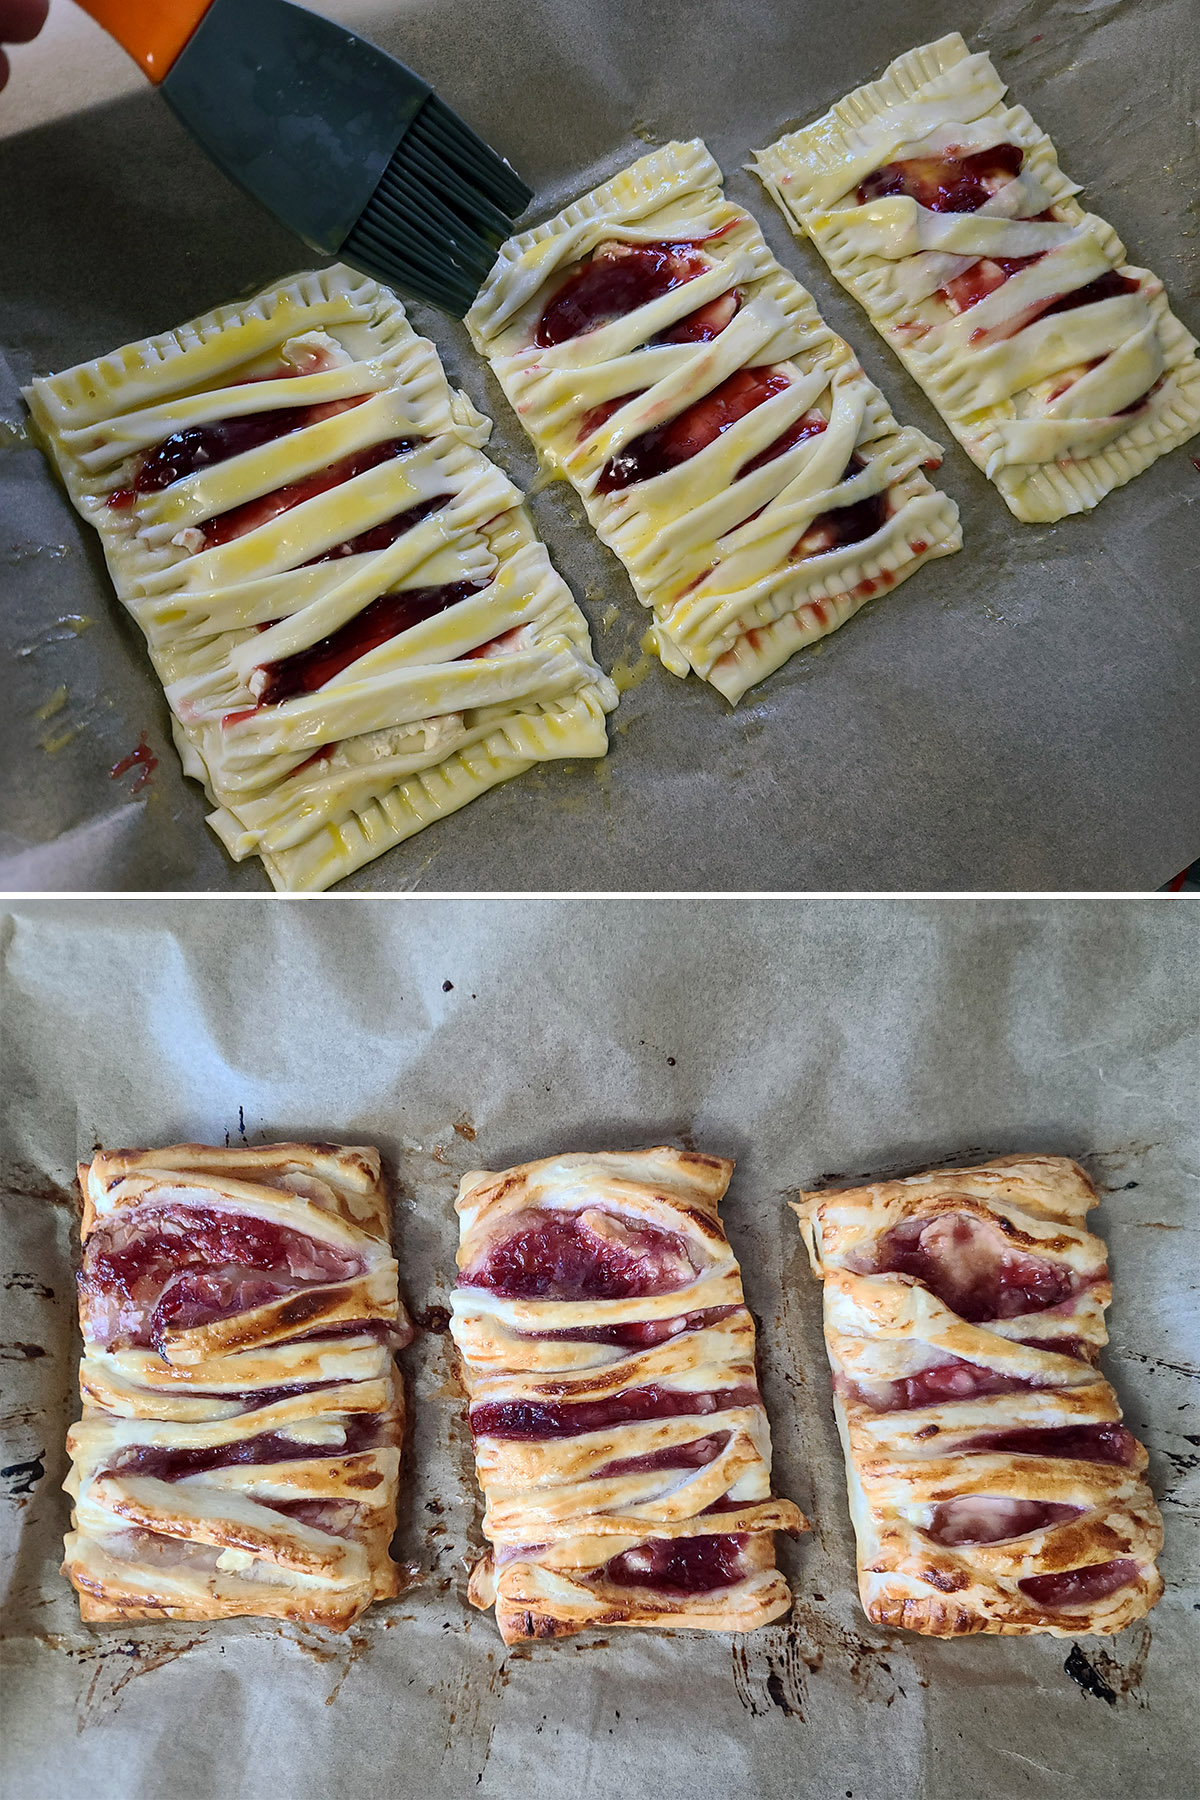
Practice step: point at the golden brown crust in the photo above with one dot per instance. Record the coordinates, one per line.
(249, 1465)
(927, 1401)
(561, 1508)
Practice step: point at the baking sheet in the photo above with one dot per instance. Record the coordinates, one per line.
(1021, 715)
(808, 1040)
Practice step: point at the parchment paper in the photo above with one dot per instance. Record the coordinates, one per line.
(807, 1039)
(1022, 715)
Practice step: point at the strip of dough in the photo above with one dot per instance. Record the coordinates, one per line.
(239, 1448)
(992, 1485)
(652, 1505)
(341, 765)
(1057, 408)
(740, 566)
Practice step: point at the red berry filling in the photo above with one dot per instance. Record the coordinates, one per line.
(843, 525)
(1082, 1443)
(535, 1419)
(685, 1565)
(695, 1455)
(810, 424)
(385, 618)
(362, 1432)
(639, 1334)
(254, 513)
(966, 1263)
(950, 183)
(185, 1266)
(589, 1255)
(678, 440)
(993, 1519)
(615, 281)
(1072, 1587)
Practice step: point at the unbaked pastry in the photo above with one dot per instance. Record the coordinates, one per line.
(356, 626)
(239, 1448)
(620, 1437)
(992, 1484)
(1061, 370)
(726, 443)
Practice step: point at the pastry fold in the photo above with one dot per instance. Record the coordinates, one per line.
(992, 1485)
(356, 626)
(239, 1448)
(726, 443)
(1060, 369)
(620, 1438)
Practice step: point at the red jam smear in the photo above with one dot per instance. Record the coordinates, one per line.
(967, 1265)
(255, 513)
(639, 1334)
(384, 619)
(1084, 1443)
(615, 281)
(810, 424)
(362, 1433)
(532, 1420)
(253, 1398)
(694, 1455)
(678, 440)
(1063, 1346)
(950, 183)
(337, 1517)
(556, 1256)
(141, 758)
(185, 1266)
(1075, 1586)
(993, 1519)
(684, 1565)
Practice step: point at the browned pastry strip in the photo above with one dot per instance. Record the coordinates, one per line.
(620, 1437)
(239, 1448)
(992, 1485)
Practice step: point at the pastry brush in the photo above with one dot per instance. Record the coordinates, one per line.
(344, 144)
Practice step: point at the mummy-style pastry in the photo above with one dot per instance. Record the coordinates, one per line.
(355, 624)
(239, 1448)
(1060, 369)
(620, 1437)
(726, 443)
(992, 1484)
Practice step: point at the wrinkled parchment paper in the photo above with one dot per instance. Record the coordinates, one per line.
(807, 1039)
(1021, 715)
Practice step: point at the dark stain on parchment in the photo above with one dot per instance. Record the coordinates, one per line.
(29, 1284)
(23, 1477)
(1089, 1678)
(21, 1352)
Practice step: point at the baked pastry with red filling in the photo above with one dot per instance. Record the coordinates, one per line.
(726, 443)
(620, 1436)
(239, 1448)
(1060, 369)
(356, 625)
(992, 1484)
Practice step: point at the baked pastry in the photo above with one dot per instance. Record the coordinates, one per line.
(992, 1484)
(354, 621)
(1061, 370)
(726, 443)
(239, 1448)
(620, 1437)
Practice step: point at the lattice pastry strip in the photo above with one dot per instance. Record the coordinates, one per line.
(355, 624)
(620, 1438)
(1060, 369)
(726, 443)
(239, 1448)
(992, 1485)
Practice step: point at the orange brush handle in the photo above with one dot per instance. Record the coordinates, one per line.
(153, 31)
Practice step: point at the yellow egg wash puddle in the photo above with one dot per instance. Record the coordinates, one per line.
(54, 704)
